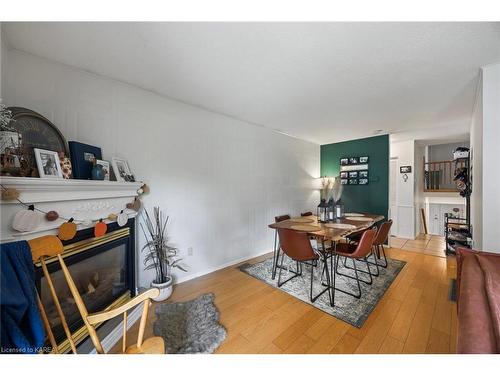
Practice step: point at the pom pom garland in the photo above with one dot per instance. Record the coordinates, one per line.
(10, 194)
(51, 216)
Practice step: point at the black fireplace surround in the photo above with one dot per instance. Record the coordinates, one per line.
(103, 274)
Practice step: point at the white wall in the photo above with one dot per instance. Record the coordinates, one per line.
(476, 153)
(405, 225)
(444, 151)
(490, 157)
(419, 153)
(1, 58)
(221, 180)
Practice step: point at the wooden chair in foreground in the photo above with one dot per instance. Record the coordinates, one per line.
(50, 246)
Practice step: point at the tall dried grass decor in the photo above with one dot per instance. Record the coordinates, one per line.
(326, 187)
(337, 189)
(331, 188)
(160, 256)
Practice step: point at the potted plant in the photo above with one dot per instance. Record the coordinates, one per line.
(160, 256)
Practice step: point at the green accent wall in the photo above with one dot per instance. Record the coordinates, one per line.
(374, 197)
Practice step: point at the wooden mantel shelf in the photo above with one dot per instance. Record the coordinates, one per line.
(34, 190)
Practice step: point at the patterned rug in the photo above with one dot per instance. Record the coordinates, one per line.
(347, 308)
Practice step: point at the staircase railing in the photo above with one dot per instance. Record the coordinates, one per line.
(438, 175)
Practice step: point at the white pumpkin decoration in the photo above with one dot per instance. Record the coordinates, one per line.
(122, 218)
(26, 220)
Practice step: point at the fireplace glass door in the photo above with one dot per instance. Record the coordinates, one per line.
(102, 276)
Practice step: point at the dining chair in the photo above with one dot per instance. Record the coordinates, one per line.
(355, 252)
(296, 246)
(381, 239)
(378, 244)
(46, 247)
(276, 249)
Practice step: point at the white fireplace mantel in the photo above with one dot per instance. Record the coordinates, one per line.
(80, 199)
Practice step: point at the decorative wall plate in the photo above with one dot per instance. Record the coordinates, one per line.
(36, 132)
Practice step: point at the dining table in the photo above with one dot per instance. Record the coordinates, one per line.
(334, 230)
(328, 234)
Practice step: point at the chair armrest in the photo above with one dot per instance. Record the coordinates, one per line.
(106, 315)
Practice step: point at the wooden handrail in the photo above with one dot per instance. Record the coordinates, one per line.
(439, 162)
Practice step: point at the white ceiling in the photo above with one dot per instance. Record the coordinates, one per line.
(322, 82)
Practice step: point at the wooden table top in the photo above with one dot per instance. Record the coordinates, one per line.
(330, 230)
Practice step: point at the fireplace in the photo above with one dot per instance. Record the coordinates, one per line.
(103, 271)
(104, 267)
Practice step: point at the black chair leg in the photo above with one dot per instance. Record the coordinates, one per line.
(275, 254)
(333, 264)
(358, 295)
(376, 264)
(357, 279)
(374, 253)
(295, 274)
(276, 258)
(368, 282)
(328, 286)
(369, 271)
(384, 265)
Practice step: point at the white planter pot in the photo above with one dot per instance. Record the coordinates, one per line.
(165, 290)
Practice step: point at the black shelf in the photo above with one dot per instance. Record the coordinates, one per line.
(458, 230)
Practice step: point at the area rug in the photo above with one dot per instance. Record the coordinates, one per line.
(190, 327)
(347, 308)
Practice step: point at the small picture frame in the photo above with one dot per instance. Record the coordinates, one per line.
(363, 174)
(9, 140)
(122, 170)
(105, 168)
(344, 181)
(344, 161)
(353, 174)
(48, 163)
(353, 160)
(353, 181)
(363, 181)
(344, 174)
(363, 159)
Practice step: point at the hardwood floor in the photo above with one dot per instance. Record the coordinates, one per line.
(424, 243)
(414, 316)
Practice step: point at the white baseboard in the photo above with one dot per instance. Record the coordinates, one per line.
(116, 334)
(219, 267)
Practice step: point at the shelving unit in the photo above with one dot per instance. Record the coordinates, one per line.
(457, 230)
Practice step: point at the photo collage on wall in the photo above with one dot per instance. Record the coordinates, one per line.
(354, 170)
